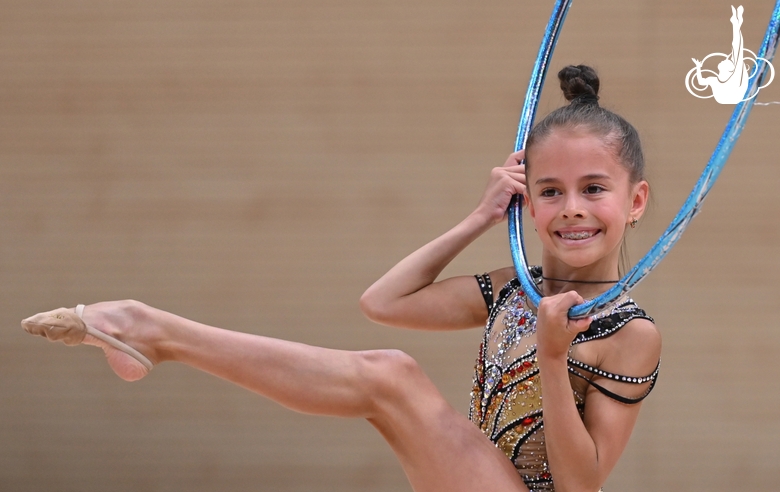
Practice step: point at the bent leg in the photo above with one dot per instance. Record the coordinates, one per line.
(438, 448)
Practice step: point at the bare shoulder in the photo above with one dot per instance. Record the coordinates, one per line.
(641, 332)
(634, 349)
(501, 277)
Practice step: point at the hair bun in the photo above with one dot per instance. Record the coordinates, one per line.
(579, 81)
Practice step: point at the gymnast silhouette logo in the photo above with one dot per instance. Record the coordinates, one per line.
(729, 85)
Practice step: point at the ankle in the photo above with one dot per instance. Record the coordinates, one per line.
(152, 321)
(163, 328)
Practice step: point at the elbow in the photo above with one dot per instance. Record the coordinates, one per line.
(382, 309)
(371, 307)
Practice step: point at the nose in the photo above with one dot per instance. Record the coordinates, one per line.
(572, 208)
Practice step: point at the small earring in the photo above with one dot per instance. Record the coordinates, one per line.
(633, 223)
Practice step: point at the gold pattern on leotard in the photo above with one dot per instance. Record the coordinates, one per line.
(506, 400)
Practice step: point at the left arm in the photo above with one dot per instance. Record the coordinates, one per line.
(582, 453)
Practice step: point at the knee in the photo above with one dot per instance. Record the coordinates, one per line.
(383, 366)
(393, 375)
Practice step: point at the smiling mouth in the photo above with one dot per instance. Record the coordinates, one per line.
(577, 236)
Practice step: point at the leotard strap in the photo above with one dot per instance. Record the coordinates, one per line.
(609, 324)
(603, 327)
(486, 288)
(573, 364)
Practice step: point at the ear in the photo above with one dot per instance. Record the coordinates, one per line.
(639, 195)
(531, 211)
(529, 204)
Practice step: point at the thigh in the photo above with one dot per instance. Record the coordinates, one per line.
(439, 448)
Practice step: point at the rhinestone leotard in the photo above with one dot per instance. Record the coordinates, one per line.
(506, 402)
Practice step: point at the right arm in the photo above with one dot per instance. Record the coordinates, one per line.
(408, 295)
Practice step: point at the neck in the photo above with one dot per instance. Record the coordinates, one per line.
(589, 281)
(580, 281)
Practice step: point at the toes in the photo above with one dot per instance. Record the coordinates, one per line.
(59, 325)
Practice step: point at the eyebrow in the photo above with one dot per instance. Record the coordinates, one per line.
(587, 177)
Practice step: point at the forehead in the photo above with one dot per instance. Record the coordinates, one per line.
(573, 153)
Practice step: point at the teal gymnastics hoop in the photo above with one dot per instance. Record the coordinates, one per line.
(692, 204)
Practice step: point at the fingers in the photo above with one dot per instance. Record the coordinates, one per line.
(516, 159)
(555, 330)
(580, 325)
(557, 307)
(569, 300)
(515, 168)
(511, 179)
(572, 299)
(504, 182)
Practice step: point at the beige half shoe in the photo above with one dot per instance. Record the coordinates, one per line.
(67, 326)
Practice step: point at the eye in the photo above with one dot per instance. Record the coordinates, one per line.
(593, 189)
(549, 192)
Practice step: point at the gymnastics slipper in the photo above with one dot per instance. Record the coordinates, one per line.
(67, 326)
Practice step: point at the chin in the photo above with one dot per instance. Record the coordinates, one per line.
(584, 259)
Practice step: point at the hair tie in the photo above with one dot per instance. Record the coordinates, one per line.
(586, 99)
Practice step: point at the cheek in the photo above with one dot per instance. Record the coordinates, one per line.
(615, 215)
(534, 211)
(542, 218)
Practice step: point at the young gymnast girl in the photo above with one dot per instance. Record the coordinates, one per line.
(584, 186)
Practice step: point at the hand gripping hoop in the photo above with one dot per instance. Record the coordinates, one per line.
(692, 204)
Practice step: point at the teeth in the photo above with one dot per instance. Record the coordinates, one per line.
(576, 235)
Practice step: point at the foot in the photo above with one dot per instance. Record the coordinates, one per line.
(126, 321)
(736, 16)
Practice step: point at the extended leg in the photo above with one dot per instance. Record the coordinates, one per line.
(438, 448)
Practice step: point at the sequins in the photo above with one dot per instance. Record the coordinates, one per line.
(493, 377)
(609, 375)
(506, 399)
(518, 321)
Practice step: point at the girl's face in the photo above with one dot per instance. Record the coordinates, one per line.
(581, 200)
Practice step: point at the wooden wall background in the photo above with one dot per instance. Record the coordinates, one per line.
(257, 164)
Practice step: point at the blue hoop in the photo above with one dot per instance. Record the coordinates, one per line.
(692, 204)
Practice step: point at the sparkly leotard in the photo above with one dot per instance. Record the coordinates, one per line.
(506, 402)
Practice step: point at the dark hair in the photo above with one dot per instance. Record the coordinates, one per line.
(580, 86)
